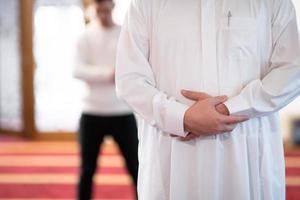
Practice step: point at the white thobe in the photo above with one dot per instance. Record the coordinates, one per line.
(246, 49)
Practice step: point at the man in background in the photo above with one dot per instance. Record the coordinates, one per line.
(103, 113)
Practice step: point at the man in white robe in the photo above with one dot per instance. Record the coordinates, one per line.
(247, 50)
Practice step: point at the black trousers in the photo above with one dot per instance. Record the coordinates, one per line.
(92, 131)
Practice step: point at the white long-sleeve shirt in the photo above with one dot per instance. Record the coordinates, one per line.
(246, 49)
(95, 65)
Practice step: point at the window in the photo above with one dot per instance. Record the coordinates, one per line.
(10, 67)
(57, 25)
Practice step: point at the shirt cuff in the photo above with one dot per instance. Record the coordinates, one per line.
(174, 121)
(238, 105)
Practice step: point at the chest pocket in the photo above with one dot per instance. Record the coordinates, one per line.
(238, 52)
(239, 37)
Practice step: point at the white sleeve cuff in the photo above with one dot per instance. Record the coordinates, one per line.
(174, 121)
(238, 106)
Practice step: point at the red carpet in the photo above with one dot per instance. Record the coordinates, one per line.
(49, 170)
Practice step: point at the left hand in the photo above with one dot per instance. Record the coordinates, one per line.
(196, 96)
(189, 137)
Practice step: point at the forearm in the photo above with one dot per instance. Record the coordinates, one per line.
(93, 73)
(282, 84)
(154, 106)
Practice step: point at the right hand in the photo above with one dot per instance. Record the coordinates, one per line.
(203, 119)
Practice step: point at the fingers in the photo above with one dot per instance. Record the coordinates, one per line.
(189, 137)
(174, 135)
(218, 100)
(229, 128)
(234, 119)
(195, 96)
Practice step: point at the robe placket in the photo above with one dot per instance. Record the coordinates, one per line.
(209, 48)
(211, 84)
(209, 44)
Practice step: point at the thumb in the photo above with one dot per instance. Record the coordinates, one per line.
(195, 96)
(218, 100)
